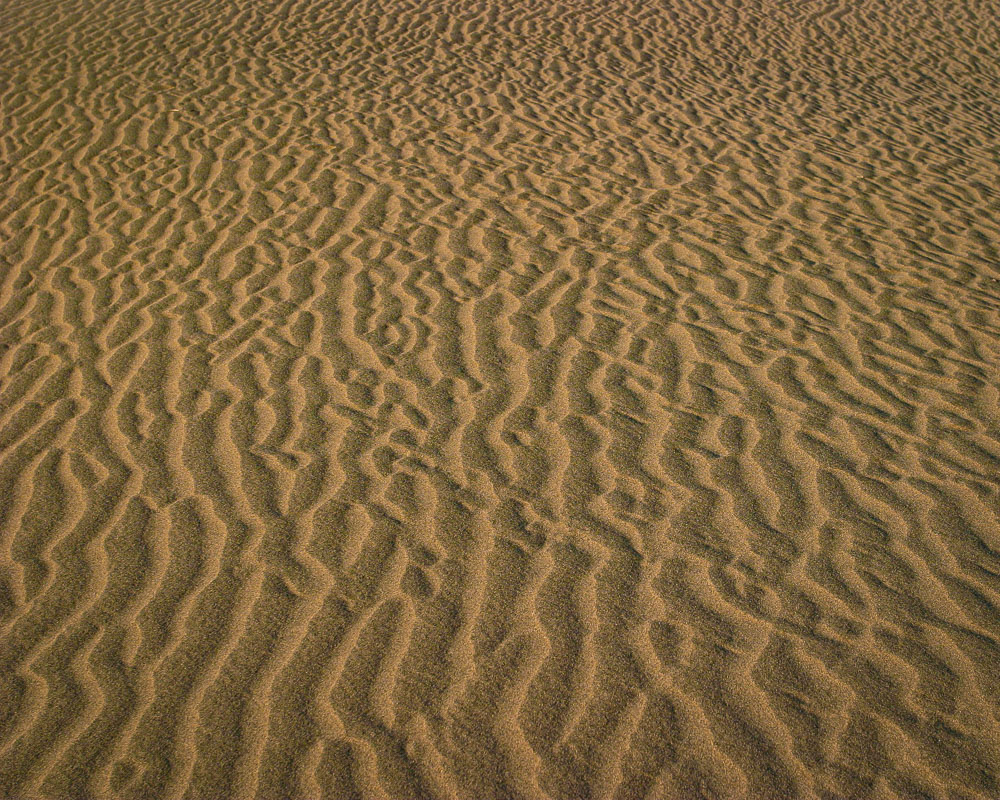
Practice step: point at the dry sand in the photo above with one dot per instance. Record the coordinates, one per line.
(499, 399)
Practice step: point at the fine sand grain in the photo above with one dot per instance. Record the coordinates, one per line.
(499, 399)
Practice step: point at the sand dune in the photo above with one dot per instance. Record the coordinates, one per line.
(525, 399)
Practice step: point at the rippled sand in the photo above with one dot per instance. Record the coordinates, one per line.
(499, 399)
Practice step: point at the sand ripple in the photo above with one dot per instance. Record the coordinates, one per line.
(481, 399)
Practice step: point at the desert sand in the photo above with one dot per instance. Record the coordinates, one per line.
(507, 399)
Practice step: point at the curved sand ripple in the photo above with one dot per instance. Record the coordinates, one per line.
(499, 399)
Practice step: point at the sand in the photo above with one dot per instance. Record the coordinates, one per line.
(499, 399)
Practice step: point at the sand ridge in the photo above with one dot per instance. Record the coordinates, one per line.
(528, 399)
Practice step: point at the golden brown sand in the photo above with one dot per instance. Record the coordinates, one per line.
(499, 399)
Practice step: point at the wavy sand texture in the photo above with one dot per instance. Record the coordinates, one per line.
(500, 399)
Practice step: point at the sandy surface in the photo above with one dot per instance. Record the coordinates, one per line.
(499, 399)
